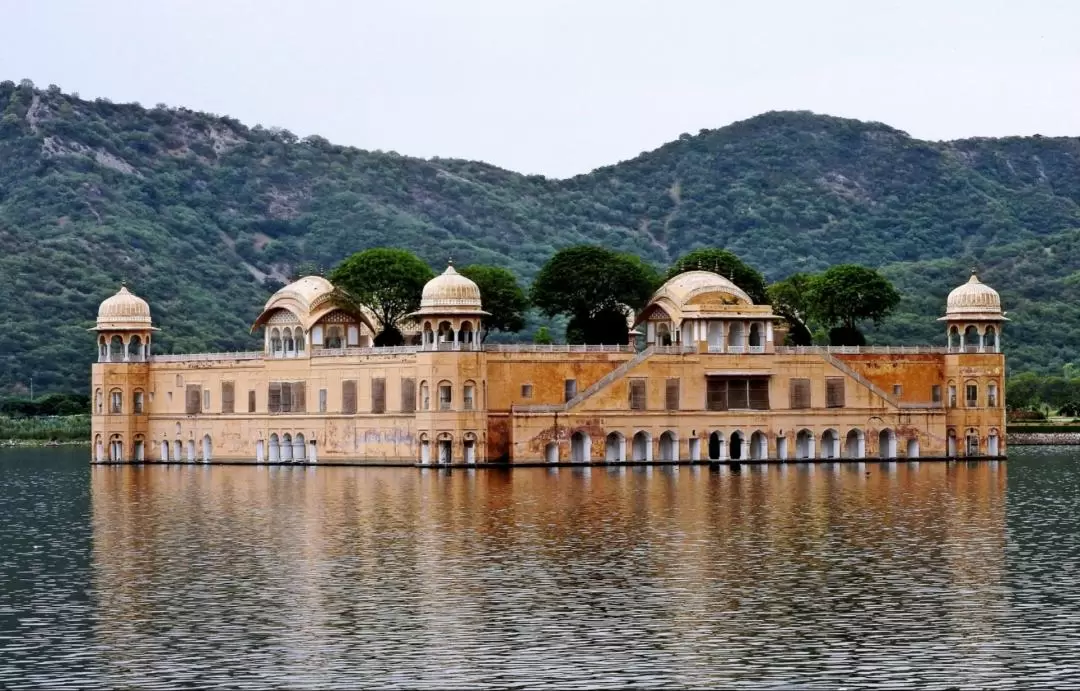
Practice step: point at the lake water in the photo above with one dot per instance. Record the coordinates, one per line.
(878, 574)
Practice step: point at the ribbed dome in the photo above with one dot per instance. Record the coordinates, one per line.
(973, 298)
(450, 292)
(123, 311)
(684, 287)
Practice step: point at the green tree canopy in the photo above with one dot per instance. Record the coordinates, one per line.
(728, 265)
(605, 327)
(846, 294)
(501, 295)
(389, 281)
(591, 283)
(790, 298)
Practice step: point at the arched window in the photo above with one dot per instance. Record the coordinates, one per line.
(990, 339)
(971, 394)
(116, 402)
(446, 395)
(952, 394)
(103, 349)
(335, 336)
(135, 349)
(641, 446)
(855, 444)
(759, 446)
(298, 338)
(669, 446)
(756, 341)
(468, 396)
(99, 402)
(288, 343)
(830, 444)
(716, 446)
(116, 349)
(299, 449)
(804, 444)
(663, 334)
(425, 396)
(954, 337)
(971, 339)
(446, 333)
(207, 448)
(275, 342)
(580, 447)
(615, 447)
(286, 447)
(886, 444)
(137, 402)
(467, 333)
(992, 395)
(736, 336)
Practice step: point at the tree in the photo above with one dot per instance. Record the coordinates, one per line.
(543, 336)
(607, 326)
(501, 295)
(846, 294)
(790, 299)
(727, 264)
(387, 281)
(1024, 391)
(593, 283)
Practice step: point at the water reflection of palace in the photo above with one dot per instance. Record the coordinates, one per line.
(337, 558)
(706, 377)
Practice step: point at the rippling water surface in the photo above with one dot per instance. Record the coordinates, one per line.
(874, 574)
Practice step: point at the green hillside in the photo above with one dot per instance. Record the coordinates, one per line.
(205, 217)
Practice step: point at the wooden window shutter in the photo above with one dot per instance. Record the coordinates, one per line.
(273, 398)
(738, 394)
(799, 393)
(228, 397)
(716, 394)
(378, 395)
(194, 399)
(408, 395)
(348, 396)
(672, 393)
(758, 390)
(299, 402)
(637, 394)
(834, 392)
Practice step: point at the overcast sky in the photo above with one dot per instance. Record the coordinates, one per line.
(560, 87)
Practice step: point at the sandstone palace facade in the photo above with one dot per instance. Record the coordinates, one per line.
(708, 381)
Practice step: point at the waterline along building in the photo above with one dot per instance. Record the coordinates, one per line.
(707, 380)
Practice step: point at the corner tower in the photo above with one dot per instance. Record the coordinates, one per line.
(973, 318)
(451, 420)
(120, 378)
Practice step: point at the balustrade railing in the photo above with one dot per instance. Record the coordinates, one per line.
(556, 348)
(207, 357)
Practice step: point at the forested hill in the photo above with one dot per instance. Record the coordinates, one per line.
(205, 217)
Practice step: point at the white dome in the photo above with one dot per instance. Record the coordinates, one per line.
(450, 293)
(974, 299)
(123, 311)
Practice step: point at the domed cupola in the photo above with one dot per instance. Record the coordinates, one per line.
(450, 292)
(124, 311)
(974, 298)
(450, 312)
(973, 316)
(124, 328)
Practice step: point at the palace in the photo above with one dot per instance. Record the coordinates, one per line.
(709, 381)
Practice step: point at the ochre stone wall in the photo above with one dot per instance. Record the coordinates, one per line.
(503, 425)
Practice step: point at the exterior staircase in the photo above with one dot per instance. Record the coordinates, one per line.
(843, 367)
